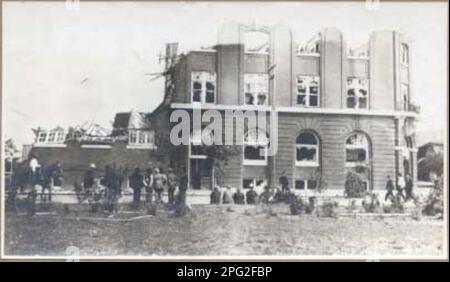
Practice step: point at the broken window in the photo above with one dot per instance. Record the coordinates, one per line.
(256, 41)
(356, 148)
(357, 93)
(404, 55)
(255, 148)
(302, 184)
(256, 88)
(42, 137)
(308, 91)
(203, 87)
(310, 47)
(307, 149)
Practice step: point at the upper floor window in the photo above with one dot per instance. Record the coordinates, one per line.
(308, 91)
(53, 136)
(141, 137)
(356, 149)
(255, 147)
(357, 93)
(256, 88)
(310, 47)
(203, 87)
(256, 41)
(404, 55)
(307, 149)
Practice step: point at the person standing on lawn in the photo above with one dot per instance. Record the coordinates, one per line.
(111, 183)
(171, 186)
(238, 197)
(389, 189)
(252, 196)
(227, 197)
(88, 180)
(136, 183)
(400, 186)
(284, 182)
(159, 181)
(148, 183)
(215, 196)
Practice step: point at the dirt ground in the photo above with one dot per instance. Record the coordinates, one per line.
(222, 231)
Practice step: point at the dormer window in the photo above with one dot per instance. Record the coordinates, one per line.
(141, 138)
(203, 87)
(56, 136)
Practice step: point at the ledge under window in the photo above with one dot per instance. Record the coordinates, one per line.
(96, 146)
(141, 146)
(255, 162)
(306, 164)
(50, 145)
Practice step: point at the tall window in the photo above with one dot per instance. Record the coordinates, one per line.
(404, 54)
(203, 87)
(256, 41)
(356, 149)
(197, 141)
(307, 149)
(308, 91)
(255, 148)
(256, 89)
(357, 93)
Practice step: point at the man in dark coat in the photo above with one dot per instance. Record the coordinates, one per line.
(238, 197)
(112, 184)
(182, 188)
(136, 183)
(389, 189)
(284, 182)
(215, 196)
(252, 196)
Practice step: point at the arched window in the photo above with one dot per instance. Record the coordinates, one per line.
(307, 149)
(255, 147)
(256, 40)
(357, 149)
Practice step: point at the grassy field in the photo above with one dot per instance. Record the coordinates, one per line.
(222, 231)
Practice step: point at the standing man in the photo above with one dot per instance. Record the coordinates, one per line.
(111, 183)
(159, 180)
(88, 181)
(252, 196)
(284, 182)
(148, 183)
(227, 197)
(136, 183)
(238, 197)
(389, 189)
(400, 186)
(172, 185)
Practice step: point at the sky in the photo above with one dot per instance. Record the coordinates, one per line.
(62, 67)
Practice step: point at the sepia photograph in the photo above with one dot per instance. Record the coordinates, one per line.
(221, 130)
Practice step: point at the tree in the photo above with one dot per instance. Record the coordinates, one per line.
(432, 163)
(219, 156)
(10, 148)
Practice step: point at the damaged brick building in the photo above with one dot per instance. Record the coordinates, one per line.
(339, 109)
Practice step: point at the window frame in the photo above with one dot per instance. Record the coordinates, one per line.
(309, 79)
(205, 78)
(258, 143)
(356, 90)
(314, 163)
(254, 80)
(366, 146)
(136, 136)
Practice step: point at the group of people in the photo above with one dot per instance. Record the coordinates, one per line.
(282, 193)
(404, 184)
(153, 181)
